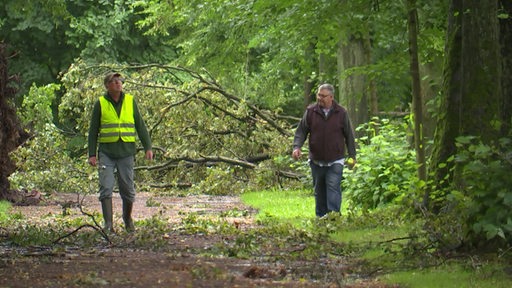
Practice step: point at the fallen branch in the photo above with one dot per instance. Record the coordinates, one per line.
(80, 228)
(258, 112)
(249, 163)
(96, 226)
(397, 239)
(171, 185)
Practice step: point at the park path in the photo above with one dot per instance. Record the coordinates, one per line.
(182, 266)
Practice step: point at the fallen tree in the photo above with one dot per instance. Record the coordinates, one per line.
(205, 136)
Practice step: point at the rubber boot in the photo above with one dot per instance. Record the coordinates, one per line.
(106, 207)
(127, 216)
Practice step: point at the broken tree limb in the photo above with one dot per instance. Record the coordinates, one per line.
(253, 108)
(248, 163)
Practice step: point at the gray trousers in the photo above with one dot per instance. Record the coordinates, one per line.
(124, 167)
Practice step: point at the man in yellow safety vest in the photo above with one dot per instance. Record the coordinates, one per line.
(115, 122)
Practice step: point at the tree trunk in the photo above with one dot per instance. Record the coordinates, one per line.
(430, 88)
(327, 68)
(417, 101)
(506, 65)
(353, 89)
(308, 82)
(471, 91)
(372, 86)
(11, 133)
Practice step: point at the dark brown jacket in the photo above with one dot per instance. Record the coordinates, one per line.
(329, 135)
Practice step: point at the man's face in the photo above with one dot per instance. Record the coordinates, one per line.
(115, 85)
(324, 98)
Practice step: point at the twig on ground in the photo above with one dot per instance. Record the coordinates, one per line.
(96, 225)
(81, 227)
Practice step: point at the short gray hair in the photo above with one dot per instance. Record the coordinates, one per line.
(328, 87)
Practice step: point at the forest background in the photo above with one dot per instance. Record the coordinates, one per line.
(222, 85)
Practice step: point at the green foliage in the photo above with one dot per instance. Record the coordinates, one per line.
(268, 174)
(36, 110)
(386, 166)
(194, 223)
(402, 248)
(471, 205)
(267, 48)
(44, 164)
(46, 230)
(4, 209)
(47, 161)
(106, 31)
(221, 180)
(33, 31)
(152, 232)
(485, 180)
(214, 125)
(191, 119)
(60, 31)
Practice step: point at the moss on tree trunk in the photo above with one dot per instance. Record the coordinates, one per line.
(472, 99)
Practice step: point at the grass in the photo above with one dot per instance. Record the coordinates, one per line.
(452, 275)
(4, 209)
(292, 206)
(297, 207)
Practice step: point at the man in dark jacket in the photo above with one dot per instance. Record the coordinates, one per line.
(115, 122)
(331, 137)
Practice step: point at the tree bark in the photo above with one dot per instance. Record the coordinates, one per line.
(417, 100)
(471, 97)
(430, 88)
(506, 66)
(353, 89)
(308, 82)
(11, 133)
(372, 86)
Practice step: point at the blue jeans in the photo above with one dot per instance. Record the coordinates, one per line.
(124, 167)
(327, 185)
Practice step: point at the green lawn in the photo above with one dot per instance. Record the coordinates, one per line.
(297, 207)
(285, 205)
(4, 209)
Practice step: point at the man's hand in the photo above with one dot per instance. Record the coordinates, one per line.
(92, 160)
(351, 163)
(149, 154)
(296, 153)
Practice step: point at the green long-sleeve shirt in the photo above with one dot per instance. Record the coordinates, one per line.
(117, 149)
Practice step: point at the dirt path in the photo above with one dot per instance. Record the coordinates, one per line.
(184, 266)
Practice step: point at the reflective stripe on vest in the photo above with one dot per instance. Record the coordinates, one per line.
(112, 126)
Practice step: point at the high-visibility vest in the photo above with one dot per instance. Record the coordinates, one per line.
(112, 126)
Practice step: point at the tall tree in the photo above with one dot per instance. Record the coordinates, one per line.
(49, 35)
(11, 133)
(472, 98)
(35, 31)
(354, 87)
(505, 20)
(417, 100)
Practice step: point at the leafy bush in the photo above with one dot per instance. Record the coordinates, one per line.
(45, 165)
(474, 207)
(220, 180)
(486, 180)
(386, 166)
(45, 162)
